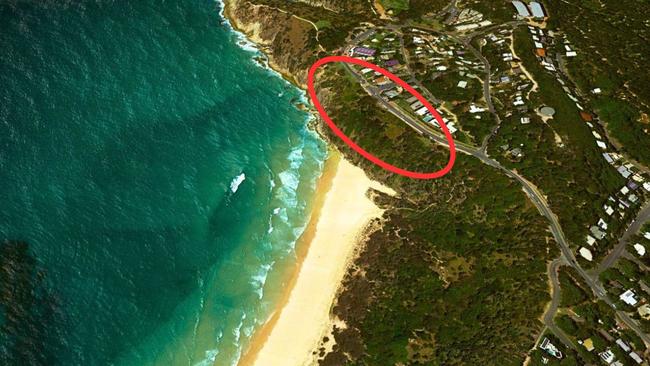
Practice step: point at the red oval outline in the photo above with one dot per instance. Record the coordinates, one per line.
(357, 148)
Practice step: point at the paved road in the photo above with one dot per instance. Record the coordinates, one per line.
(555, 303)
(538, 199)
(641, 218)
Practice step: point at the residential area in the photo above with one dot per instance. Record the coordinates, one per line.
(487, 92)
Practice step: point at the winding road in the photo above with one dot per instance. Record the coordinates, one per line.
(536, 197)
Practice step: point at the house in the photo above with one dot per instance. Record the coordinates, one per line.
(622, 170)
(629, 298)
(608, 210)
(391, 63)
(607, 356)
(416, 105)
(595, 230)
(537, 9)
(602, 224)
(624, 346)
(522, 9)
(640, 249)
(525, 120)
(571, 54)
(363, 51)
(586, 254)
(587, 117)
(541, 52)
(644, 311)
(462, 84)
(422, 111)
(636, 358)
(588, 344)
(608, 158)
(475, 109)
(590, 240)
(601, 144)
(550, 348)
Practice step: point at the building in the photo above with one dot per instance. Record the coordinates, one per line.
(588, 344)
(640, 249)
(596, 232)
(607, 356)
(537, 10)
(422, 111)
(550, 348)
(363, 51)
(624, 346)
(417, 105)
(522, 9)
(462, 84)
(629, 298)
(590, 240)
(636, 358)
(586, 254)
(525, 120)
(391, 63)
(644, 311)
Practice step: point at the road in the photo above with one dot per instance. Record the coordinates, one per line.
(555, 304)
(538, 199)
(641, 218)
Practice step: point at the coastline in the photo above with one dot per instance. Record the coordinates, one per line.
(340, 218)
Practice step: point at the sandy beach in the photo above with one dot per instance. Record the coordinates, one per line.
(341, 213)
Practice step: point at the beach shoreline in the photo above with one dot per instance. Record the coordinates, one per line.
(341, 215)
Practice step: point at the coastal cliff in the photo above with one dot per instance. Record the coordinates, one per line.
(287, 40)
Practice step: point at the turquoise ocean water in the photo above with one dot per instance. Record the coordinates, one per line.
(152, 175)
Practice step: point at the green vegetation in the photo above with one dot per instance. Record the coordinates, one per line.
(322, 24)
(397, 6)
(572, 288)
(612, 42)
(420, 9)
(457, 275)
(573, 174)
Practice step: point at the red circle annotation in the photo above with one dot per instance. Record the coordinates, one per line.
(357, 148)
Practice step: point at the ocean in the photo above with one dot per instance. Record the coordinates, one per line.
(154, 180)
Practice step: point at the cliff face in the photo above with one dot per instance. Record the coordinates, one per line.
(288, 41)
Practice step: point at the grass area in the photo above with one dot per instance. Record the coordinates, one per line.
(397, 6)
(322, 24)
(457, 275)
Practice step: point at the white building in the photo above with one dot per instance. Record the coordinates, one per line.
(640, 249)
(607, 356)
(521, 8)
(586, 254)
(636, 358)
(629, 298)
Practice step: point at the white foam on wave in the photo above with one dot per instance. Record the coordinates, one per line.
(259, 279)
(236, 182)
